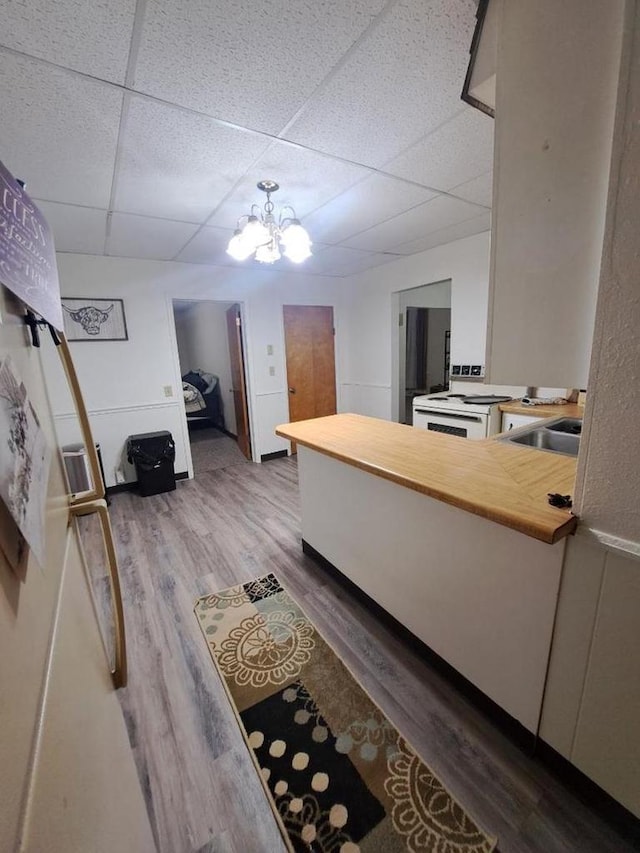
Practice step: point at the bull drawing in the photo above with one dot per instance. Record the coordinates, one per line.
(90, 318)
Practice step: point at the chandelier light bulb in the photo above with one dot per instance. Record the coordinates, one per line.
(255, 233)
(265, 234)
(297, 254)
(295, 235)
(238, 248)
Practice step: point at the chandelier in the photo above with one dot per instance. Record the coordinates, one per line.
(266, 236)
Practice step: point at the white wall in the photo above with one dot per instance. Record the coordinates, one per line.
(609, 464)
(123, 381)
(203, 342)
(370, 365)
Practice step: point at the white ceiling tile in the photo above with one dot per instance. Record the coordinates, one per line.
(142, 237)
(307, 180)
(447, 235)
(209, 246)
(250, 63)
(179, 165)
(414, 224)
(479, 190)
(369, 202)
(62, 132)
(458, 151)
(76, 229)
(403, 81)
(87, 35)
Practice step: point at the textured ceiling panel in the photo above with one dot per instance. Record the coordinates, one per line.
(177, 164)
(209, 246)
(306, 179)
(76, 229)
(447, 235)
(367, 204)
(415, 224)
(249, 63)
(403, 81)
(87, 35)
(479, 190)
(63, 131)
(458, 151)
(141, 237)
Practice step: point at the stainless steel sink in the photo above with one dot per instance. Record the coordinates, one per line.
(559, 436)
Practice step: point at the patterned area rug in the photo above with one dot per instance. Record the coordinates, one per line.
(340, 777)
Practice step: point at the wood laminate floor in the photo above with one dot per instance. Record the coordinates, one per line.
(201, 789)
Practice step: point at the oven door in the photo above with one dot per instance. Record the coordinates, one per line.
(451, 423)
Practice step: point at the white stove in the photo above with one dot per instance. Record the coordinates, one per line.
(465, 415)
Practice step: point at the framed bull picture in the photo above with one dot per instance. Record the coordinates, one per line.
(94, 319)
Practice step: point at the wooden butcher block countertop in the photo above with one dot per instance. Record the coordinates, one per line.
(568, 410)
(497, 481)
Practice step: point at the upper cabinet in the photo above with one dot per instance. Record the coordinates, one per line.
(556, 81)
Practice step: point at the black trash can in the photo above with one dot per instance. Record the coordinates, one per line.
(153, 454)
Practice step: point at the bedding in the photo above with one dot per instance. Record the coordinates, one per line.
(193, 399)
(202, 397)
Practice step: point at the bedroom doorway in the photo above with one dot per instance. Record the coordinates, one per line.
(211, 357)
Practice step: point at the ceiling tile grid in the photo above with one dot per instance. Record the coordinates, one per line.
(458, 151)
(63, 131)
(366, 92)
(207, 246)
(250, 63)
(177, 164)
(478, 191)
(366, 204)
(141, 237)
(75, 229)
(307, 179)
(456, 231)
(92, 36)
(403, 81)
(414, 225)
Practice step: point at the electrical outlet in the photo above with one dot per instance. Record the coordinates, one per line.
(466, 370)
(272, 370)
(168, 391)
(455, 370)
(270, 350)
(476, 370)
(119, 475)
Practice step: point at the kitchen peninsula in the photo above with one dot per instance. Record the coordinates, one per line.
(454, 538)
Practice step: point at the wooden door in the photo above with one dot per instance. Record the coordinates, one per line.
(310, 354)
(236, 356)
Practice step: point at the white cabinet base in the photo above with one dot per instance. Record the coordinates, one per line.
(480, 595)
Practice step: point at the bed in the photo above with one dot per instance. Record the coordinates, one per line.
(202, 398)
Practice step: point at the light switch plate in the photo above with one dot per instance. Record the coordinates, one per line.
(168, 391)
(269, 349)
(272, 370)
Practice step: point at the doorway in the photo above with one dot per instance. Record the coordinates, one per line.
(422, 318)
(309, 336)
(210, 343)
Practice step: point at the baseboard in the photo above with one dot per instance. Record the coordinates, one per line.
(585, 789)
(277, 454)
(520, 735)
(133, 485)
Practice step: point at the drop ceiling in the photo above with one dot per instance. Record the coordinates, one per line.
(142, 128)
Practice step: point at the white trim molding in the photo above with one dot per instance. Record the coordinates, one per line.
(116, 410)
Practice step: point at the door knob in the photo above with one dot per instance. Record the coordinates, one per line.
(292, 390)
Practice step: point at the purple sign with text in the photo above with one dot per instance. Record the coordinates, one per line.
(27, 254)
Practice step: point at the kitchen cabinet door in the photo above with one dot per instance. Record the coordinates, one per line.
(607, 738)
(510, 421)
(555, 104)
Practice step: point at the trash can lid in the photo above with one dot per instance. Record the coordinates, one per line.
(161, 434)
